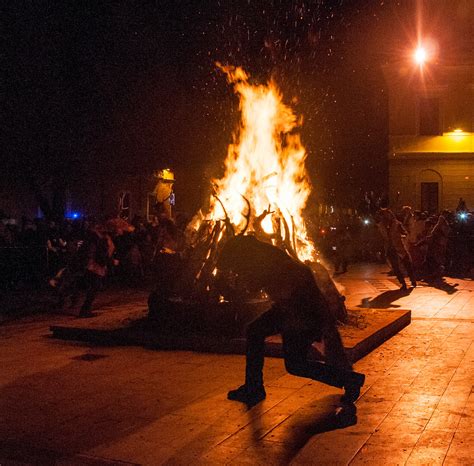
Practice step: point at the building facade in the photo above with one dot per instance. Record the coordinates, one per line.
(431, 135)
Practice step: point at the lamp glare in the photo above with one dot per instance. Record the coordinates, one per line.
(420, 55)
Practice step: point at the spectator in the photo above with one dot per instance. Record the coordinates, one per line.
(437, 241)
(100, 248)
(393, 231)
(462, 207)
(342, 245)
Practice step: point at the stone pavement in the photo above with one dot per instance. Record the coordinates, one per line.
(72, 403)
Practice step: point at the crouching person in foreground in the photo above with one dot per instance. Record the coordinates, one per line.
(299, 313)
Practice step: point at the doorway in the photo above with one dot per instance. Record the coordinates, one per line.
(429, 197)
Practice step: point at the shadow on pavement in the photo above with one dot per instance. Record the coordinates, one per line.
(53, 415)
(323, 415)
(385, 299)
(256, 443)
(443, 285)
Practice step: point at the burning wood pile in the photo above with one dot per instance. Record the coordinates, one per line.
(263, 192)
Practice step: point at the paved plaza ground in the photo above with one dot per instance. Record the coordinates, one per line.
(71, 403)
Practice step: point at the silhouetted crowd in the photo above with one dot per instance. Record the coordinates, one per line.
(35, 252)
(71, 254)
(414, 243)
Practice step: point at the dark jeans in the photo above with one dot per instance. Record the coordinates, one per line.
(395, 261)
(73, 282)
(93, 284)
(69, 286)
(338, 371)
(340, 261)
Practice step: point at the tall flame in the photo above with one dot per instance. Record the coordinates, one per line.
(265, 163)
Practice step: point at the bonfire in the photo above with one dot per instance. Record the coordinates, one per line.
(265, 186)
(263, 192)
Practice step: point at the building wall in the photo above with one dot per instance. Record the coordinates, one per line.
(102, 199)
(453, 85)
(455, 176)
(443, 156)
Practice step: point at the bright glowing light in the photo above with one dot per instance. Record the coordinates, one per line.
(463, 215)
(366, 221)
(420, 55)
(266, 164)
(166, 174)
(457, 134)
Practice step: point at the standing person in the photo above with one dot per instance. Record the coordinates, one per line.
(437, 241)
(55, 246)
(300, 313)
(101, 249)
(343, 242)
(409, 223)
(90, 266)
(393, 231)
(419, 226)
(417, 252)
(461, 207)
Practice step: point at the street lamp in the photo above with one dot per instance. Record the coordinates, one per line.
(420, 56)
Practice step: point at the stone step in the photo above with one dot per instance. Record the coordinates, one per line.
(129, 325)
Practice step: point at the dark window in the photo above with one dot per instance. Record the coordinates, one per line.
(429, 116)
(429, 197)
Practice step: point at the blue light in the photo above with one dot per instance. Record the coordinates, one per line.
(462, 215)
(73, 215)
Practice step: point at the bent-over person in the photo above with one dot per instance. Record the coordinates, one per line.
(300, 313)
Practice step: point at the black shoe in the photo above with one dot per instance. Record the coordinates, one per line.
(86, 314)
(403, 287)
(352, 388)
(249, 397)
(345, 415)
(413, 283)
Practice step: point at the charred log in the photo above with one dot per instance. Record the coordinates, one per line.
(247, 216)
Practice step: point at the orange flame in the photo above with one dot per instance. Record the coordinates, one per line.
(265, 163)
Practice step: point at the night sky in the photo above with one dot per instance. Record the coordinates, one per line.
(99, 88)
